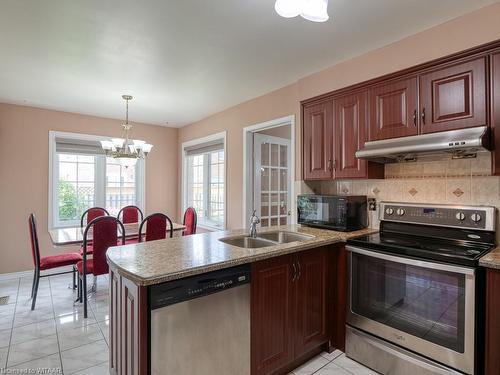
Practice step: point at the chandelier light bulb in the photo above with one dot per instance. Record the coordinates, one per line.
(288, 8)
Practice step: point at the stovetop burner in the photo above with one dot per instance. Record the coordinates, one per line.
(449, 234)
(452, 251)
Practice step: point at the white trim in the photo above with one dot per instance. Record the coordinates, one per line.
(29, 273)
(195, 142)
(52, 194)
(15, 275)
(248, 162)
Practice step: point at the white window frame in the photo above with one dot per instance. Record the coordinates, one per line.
(184, 197)
(100, 165)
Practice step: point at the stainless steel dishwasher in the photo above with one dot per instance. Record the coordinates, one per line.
(201, 324)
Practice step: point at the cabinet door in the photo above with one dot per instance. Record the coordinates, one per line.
(271, 314)
(114, 322)
(317, 133)
(492, 359)
(393, 109)
(311, 300)
(495, 110)
(453, 97)
(133, 329)
(349, 135)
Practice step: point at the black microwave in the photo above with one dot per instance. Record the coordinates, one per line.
(343, 213)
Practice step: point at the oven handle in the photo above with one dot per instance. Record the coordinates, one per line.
(413, 262)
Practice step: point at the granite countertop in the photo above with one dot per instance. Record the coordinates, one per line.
(155, 262)
(491, 260)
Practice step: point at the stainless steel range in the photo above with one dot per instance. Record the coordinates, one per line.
(416, 301)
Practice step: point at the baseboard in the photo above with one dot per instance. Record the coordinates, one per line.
(29, 273)
(15, 275)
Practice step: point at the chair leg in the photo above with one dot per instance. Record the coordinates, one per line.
(35, 289)
(33, 286)
(84, 296)
(74, 278)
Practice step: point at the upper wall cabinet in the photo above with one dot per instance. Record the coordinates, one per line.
(349, 135)
(495, 105)
(317, 133)
(454, 97)
(393, 109)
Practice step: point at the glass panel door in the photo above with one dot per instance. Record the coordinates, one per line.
(423, 302)
(272, 179)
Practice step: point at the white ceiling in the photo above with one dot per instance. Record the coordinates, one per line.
(186, 59)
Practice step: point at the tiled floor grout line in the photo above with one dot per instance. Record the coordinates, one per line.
(12, 324)
(55, 323)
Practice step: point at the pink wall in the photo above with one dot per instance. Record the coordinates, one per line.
(470, 30)
(24, 186)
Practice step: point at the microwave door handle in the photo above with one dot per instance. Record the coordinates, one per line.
(412, 262)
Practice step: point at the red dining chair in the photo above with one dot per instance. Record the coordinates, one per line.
(87, 217)
(104, 235)
(130, 214)
(47, 262)
(157, 226)
(190, 220)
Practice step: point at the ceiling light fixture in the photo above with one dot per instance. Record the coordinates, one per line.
(127, 151)
(312, 10)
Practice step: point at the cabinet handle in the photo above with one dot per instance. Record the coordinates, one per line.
(330, 165)
(294, 272)
(415, 118)
(423, 116)
(300, 270)
(335, 165)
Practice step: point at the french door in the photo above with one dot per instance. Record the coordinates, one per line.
(272, 179)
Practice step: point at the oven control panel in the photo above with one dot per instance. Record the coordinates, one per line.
(468, 217)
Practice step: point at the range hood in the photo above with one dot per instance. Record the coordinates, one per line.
(461, 143)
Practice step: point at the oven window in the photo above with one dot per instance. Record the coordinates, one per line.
(423, 302)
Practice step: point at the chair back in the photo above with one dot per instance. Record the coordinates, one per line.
(35, 249)
(130, 214)
(156, 227)
(190, 219)
(91, 214)
(104, 235)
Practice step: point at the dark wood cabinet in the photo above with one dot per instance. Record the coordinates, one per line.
(492, 347)
(289, 313)
(393, 109)
(495, 109)
(311, 300)
(271, 314)
(454, 97)
(349, 135)
(129, 339)
(317, 134)
(333, 131)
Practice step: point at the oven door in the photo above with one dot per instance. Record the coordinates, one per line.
(423, 306)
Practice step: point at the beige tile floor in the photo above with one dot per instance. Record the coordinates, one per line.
(55, 336)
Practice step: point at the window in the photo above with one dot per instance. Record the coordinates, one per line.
(83, 177)
(204, 184)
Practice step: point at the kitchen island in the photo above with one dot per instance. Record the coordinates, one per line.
(297, 290)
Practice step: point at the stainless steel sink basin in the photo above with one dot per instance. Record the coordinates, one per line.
(247, 242)
(265, 239)
(284, 237)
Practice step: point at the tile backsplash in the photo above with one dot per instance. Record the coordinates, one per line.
(462, 181)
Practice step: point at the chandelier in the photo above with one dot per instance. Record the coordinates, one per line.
(127, 151)
(312, 10)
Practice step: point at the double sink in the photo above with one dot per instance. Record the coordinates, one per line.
(266, 239)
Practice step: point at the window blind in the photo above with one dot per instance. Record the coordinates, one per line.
(77, 146)
(203, 148)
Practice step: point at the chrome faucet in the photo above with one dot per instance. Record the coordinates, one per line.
(254, 220)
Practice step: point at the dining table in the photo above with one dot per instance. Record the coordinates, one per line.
(74, 235)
